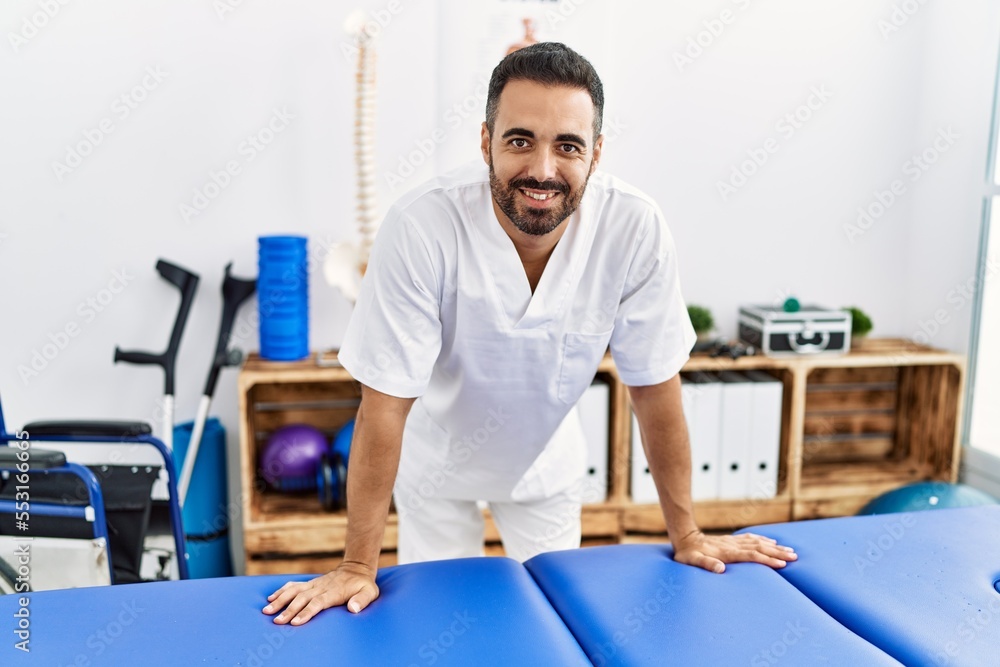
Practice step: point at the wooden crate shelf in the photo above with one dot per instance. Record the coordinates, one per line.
(853, 427)
(318, 563)
(728, 514)
(829, 480)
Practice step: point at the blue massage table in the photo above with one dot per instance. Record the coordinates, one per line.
(911, 589)
(922, 586)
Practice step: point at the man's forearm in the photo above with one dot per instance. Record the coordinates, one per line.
(668, 452)
(669, 458)
(373, 464)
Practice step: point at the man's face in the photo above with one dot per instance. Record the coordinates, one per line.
(541, 153)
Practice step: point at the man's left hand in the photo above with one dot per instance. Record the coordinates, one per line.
(712, 552)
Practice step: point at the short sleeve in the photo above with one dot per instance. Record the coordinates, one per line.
(394, 335)
(652, 336)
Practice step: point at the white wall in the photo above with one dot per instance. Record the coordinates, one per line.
(677, 132)
(781, 232)
(959, 58)
(61, 241)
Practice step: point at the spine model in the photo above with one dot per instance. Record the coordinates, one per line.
(364, 145)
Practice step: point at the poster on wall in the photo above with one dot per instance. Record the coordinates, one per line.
(475, 36)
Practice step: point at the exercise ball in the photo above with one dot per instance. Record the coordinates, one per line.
(927, 496)
(342, 443)
(291, 456)
(331, 475)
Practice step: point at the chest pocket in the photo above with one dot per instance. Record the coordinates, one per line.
(581, 354)
(512, 362)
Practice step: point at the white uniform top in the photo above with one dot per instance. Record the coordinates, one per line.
(446, 313)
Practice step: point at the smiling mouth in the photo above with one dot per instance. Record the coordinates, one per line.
(539, 196)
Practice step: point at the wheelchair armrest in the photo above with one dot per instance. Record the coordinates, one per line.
(85, 428)
(38, 459)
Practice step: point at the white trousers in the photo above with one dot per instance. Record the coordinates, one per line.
(443, 528)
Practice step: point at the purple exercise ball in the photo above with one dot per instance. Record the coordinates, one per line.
(291, 456)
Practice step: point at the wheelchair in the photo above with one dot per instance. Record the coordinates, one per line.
(97, 516)
(100, 514)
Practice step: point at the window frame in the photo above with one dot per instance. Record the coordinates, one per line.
(980, 460)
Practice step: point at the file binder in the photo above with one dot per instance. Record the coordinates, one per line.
(594, 408)
(765, 435)
(701, 394)
(643, 488)
(737, 410)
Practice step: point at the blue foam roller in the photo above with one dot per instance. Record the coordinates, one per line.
(283, 277)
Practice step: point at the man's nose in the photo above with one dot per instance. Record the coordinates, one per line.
(542, 166)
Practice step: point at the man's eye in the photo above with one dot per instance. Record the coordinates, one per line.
(519, 143)
(569, 148)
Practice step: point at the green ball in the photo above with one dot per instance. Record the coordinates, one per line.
(791, 305)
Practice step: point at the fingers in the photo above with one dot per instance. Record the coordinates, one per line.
(768, 550)
(281, 597)
(698, 559)
(362, 599)
(317, 603)
(298, 602)
(292, 609)
(278, 592)
(756, 556)
(771, 555)
(780, 552)
(714, 551)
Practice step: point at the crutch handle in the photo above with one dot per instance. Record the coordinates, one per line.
(187, 283)
(133, 357)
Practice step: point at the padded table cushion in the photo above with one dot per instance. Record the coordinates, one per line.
(921, 585)
(460, 612)
(633, 605)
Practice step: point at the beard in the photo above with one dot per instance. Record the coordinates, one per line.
(534, 221)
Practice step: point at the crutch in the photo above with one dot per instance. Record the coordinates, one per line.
(187, 283)
(234, 292)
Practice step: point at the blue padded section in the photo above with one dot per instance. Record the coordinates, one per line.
(633, 605)
(481, 611)
(919, 585)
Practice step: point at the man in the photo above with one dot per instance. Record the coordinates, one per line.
(491, 296)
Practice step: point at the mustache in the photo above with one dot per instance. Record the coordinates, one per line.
(534, 184)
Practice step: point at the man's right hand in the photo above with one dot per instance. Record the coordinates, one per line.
(350, 583)
(378, 438)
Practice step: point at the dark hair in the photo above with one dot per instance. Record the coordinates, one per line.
(551, 64)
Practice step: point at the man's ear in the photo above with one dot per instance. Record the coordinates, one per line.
(485, 143)
(598, 149)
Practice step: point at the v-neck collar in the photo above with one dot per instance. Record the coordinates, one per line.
(517, 307)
